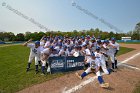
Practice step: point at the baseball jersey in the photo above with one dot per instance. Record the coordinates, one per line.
(47, 44)
(117, 45)
(62, 52)
(111, 49)
(100, 56)
(35, 51)
(46, 51)
(95, 63)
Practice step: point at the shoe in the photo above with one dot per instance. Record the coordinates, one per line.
(27, 69)
(48, 69)
(36, 72)
(43, 74)
(39, 63)
(115, 70)
(112, 70)
(105, 85)
(77, 74)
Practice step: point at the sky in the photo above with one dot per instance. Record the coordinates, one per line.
(60, 15)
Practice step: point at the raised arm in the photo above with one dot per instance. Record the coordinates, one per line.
(42, 38)
(25, 44)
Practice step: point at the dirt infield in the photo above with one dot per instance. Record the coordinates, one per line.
(122, 81)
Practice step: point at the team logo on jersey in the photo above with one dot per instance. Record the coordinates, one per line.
(35, 51)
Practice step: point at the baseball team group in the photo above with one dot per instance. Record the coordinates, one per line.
(100, 55)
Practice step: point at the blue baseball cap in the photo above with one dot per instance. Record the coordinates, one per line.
(37, 42)
(45, 39)
(92, 38)
(106, 41)
(113, 39)
(59, 44)
(98, 41)
(64, 46)
(98, 48)
(51, 47)
(75, 46)
(84, 45)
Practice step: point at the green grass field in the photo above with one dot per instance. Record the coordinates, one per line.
(124, 50)
(137, 89)
(13, 76)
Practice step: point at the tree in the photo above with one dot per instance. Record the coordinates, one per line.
(136, 31)
(20, 37)
(135, 34)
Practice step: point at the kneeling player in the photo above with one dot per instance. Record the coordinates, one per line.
(95, 66)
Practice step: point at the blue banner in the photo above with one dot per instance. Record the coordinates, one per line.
(65, 64)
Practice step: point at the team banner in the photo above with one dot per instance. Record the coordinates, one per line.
(65, 64)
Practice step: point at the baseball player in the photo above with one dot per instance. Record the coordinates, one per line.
(95, 66)
(43, 41)
(35, 50)
(104, 50)
(44, 57)
(111, 52)
(64, 51)
(101, 56)
(118, 48)
(86, 52)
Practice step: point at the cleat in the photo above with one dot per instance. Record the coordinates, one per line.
(36, 72)
(77, 74)
(105, 85)
(27, 69)
(115, 70)
(43, 74)
(48, 69)
(112, 70)
(39, 63)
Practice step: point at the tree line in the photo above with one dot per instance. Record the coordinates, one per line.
(9, 36)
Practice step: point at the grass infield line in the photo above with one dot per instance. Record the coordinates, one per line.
(75, 88)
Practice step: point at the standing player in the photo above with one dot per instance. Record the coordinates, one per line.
(117, 49)
(112, 50)
(35, 50)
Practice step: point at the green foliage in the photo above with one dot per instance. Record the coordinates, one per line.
(37, 35)
(137, 89)
(135, 34)
(20, 37)
(8, 35)
(96, 32)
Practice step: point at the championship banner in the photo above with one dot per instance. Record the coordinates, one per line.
(74, 63)
(65, 64)
(57, 64)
